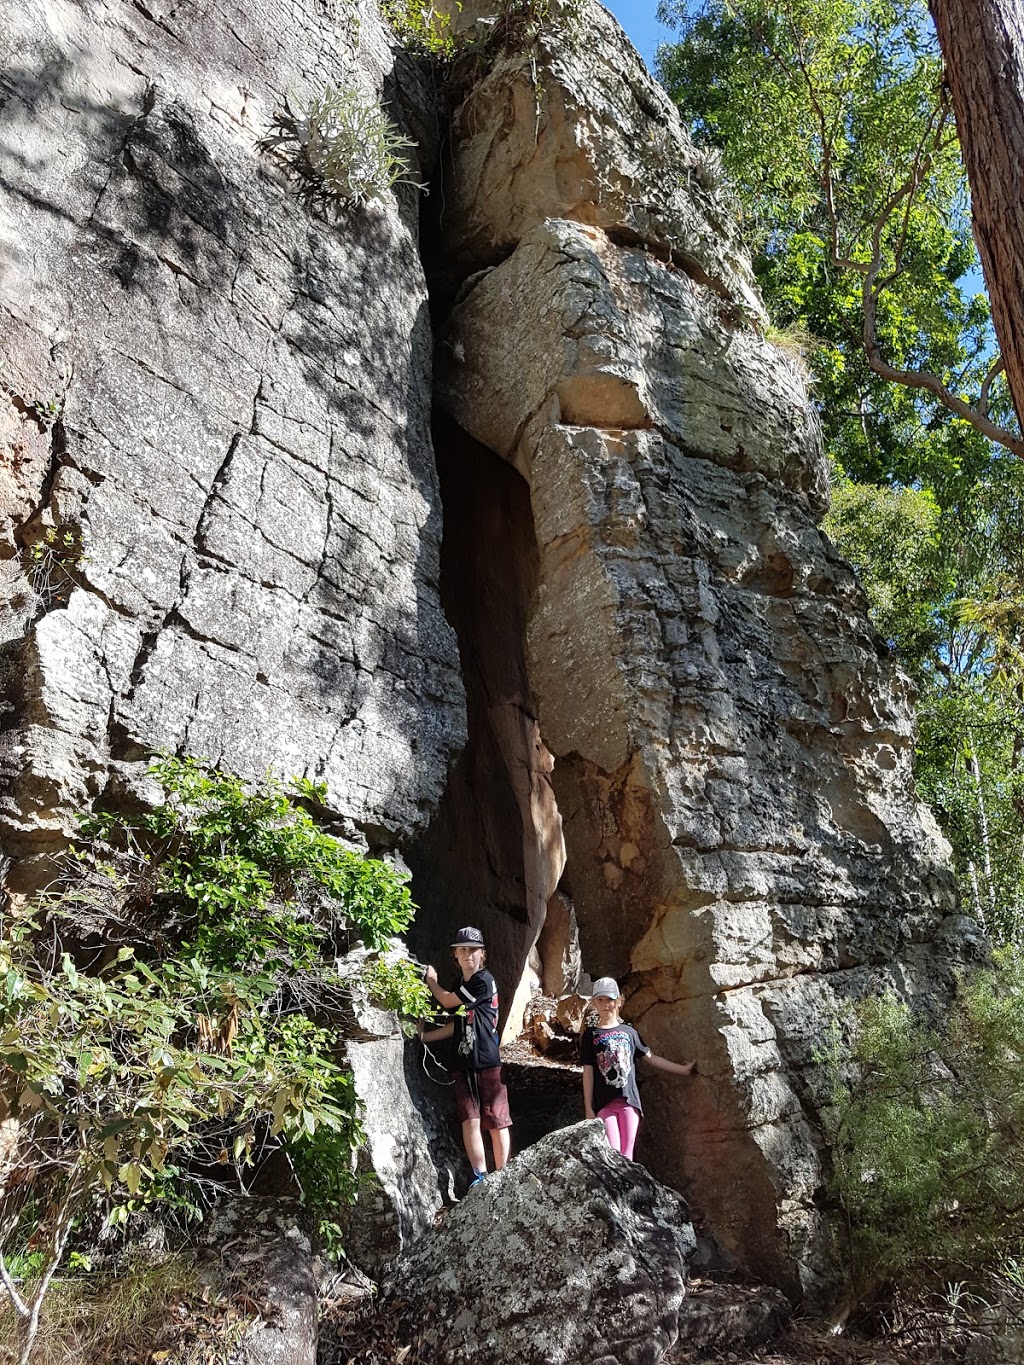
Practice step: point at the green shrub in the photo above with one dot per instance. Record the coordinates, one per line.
(340, 150)
(172, 1009)
(420, 27)
(399, 986)
(927, 1133)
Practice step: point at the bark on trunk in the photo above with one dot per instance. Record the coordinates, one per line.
(983, 49)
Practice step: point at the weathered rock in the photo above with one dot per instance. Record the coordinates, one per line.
(266, 1244)
(224, 403)
(571, 1012)
(574, 127)
(570, 1256)
(559, 946)
(732, 742)
(716, 1318)
(493, 854)
(407, 1166)
(218, 406)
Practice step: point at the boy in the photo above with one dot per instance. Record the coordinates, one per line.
(481, 1100)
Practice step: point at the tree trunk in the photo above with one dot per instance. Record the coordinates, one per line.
(983, 49)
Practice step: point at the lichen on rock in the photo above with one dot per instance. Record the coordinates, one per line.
(572, 1253)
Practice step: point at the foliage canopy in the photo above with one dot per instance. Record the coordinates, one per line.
(834, 126)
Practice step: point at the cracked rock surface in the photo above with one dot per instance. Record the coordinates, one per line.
(597, 1253)
(218, 405)
(732, 742)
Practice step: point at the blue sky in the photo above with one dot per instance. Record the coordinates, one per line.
(637, 17)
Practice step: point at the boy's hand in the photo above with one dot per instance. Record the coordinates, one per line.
(430, 976)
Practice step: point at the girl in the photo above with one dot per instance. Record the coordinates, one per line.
(607, 1052)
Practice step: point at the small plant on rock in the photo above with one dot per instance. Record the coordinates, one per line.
(53, 565)
(398, 985)
(340, 150)
(420, 27)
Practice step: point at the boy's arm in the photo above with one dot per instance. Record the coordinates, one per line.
(435, 1035)
(446, 998)
(677, 1068)
(588, 1093)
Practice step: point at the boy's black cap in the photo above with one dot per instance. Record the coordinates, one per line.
(468, 938)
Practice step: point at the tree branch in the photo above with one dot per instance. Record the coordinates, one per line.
(986, 384)
(20, 1306)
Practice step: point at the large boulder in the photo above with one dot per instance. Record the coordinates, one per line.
(408, 1164)
(265, 1244)
(570, 1256)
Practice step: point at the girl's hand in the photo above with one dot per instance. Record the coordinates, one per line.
(420, 1027)
(589, 1114)
(430, 976)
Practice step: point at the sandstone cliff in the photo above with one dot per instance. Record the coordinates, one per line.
(731, 742)
(661, 694)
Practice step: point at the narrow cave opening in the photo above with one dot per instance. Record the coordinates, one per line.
(493, 852)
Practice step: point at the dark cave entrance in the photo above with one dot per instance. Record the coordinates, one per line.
(493, 853)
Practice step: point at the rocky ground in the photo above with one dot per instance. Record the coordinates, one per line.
(352, 1335)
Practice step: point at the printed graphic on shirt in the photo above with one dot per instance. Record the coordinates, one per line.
(468, 1040)
(615, 1059)
(476, 1025)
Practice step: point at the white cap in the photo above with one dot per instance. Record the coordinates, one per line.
(607, 985)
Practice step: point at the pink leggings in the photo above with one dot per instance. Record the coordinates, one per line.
(621, 1123)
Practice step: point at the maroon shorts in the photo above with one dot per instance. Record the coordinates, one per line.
(482, 1095)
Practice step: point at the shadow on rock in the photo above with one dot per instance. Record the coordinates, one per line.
(571, 1254)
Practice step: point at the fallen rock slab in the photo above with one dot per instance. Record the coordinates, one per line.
(716, 1318)
(570, 1256)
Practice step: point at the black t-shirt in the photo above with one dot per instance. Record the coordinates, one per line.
(611, 1052)
(476, 1028)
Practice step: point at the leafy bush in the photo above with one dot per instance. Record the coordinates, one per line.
(399, 986)
(171, 1009)
(340, 150)
(927, 1135)
(420, 27)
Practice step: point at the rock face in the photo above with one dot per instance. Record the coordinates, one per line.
(220, 511)
(218, 496)
(409, 1164)
(220, 405)
(270, 1249)
(596, 1250)
(732, 743)
(494, 852)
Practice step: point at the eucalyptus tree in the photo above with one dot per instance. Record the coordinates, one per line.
(836, 129)
(983, 48)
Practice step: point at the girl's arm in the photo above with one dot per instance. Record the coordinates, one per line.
(677, 1068)
(446, 998)
(588, 1093)
(436, 1034)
